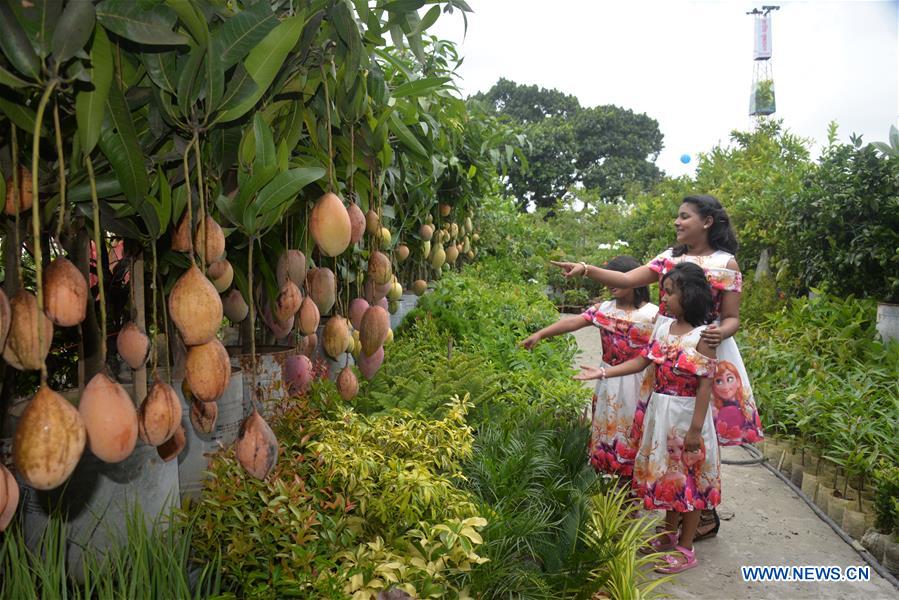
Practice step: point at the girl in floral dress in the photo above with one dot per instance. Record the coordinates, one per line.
(677, 465)
(705, 238)
(625, 325)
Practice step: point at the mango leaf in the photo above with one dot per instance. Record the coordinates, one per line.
(16, 45)
(151, 25)
(215, 82)
(240, 34)
(163, 205)
(20, 114)
(10, 80)
(429, 19)
(420, 87)
(405, 136)
(43, 14)
(222, 146)
(150, 217)
(265, 145)
(229, 209)
(189, 80)
(240, 87)
(403, 5)
(310, 31)
(74, 30)
(264, 62)
(192, 19)
(90, 106)
(162, 67)
(285, 186)
(119, 143)
(107, 186)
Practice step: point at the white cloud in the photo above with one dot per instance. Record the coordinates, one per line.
(688, 64)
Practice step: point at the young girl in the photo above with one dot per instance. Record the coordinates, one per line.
(625, 325)
(677, 465)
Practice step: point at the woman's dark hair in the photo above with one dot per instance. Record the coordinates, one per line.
(721, 234)
(623, 264)
(696, 294)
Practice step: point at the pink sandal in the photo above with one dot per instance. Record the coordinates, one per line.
(666, 540)
(676, 565)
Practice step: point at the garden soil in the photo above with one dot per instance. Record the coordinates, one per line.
(768, 525)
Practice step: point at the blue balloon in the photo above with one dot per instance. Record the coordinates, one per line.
(685, 158)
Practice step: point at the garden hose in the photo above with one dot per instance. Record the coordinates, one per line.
(866, 556)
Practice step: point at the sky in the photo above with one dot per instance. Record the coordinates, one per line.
(688, 64)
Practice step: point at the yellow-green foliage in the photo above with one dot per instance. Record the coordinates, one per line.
(401, 466)
(433, 559)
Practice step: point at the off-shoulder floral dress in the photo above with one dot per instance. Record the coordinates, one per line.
(665, 476)
(733, 405)
(625, 334)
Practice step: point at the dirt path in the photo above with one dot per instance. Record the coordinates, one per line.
(771, 526)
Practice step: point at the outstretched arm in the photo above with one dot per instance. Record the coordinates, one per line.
(635, 278)
(634, 365)
(558, 328)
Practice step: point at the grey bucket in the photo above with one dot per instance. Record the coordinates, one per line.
(270, 388)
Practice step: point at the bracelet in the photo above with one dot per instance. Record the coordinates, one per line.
(583, 264)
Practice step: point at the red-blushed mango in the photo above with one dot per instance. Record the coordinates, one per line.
(49, 440)
(288, 301)
(322, 287)
(257, 447)
(297, 374)
(65, 293)
(373, 332)
(215, 240)
(11, 498)
(419, 286)
(292, 266)
(25, 198)
(21, 350)
(335, 336)
(181, 235)
(347, 384)
(172, 447)
(357, 222)
(235, 307)
(195, 307)
(203, 416)
(207, 370)
(369, 365)
(310, 316)
(110, 419)
(133, 345)
(379, 270)
(357, 308)
(160, 414)
(372, 223)
(402, 252)
(330, 225)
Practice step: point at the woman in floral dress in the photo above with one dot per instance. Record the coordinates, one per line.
(677, 465)
(625, 324)
(705, 238)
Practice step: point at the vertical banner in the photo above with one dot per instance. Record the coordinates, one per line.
(762, 50)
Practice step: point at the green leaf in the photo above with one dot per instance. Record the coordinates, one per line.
(44, 14)
(163, 205)
(265, 145)
(240, 87)
(10, 80)
(406, 137)
(162, 67)
(119, 143)
(420, 87)
(404, 5)
(429, 19)
(228, 207)
(146, 25)
(192, 19)
(16, 45)
(215, 82)
(74, 30)
(107, 186)
(20, 114)
(264, 62)
(240, 34)
(189, 80)
(90, 106)
(285, 186)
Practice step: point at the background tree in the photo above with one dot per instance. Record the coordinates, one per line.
(606, 148)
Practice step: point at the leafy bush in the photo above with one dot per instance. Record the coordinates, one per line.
(759, 299)
(820, 374)
(886, 498)
(843, 225)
